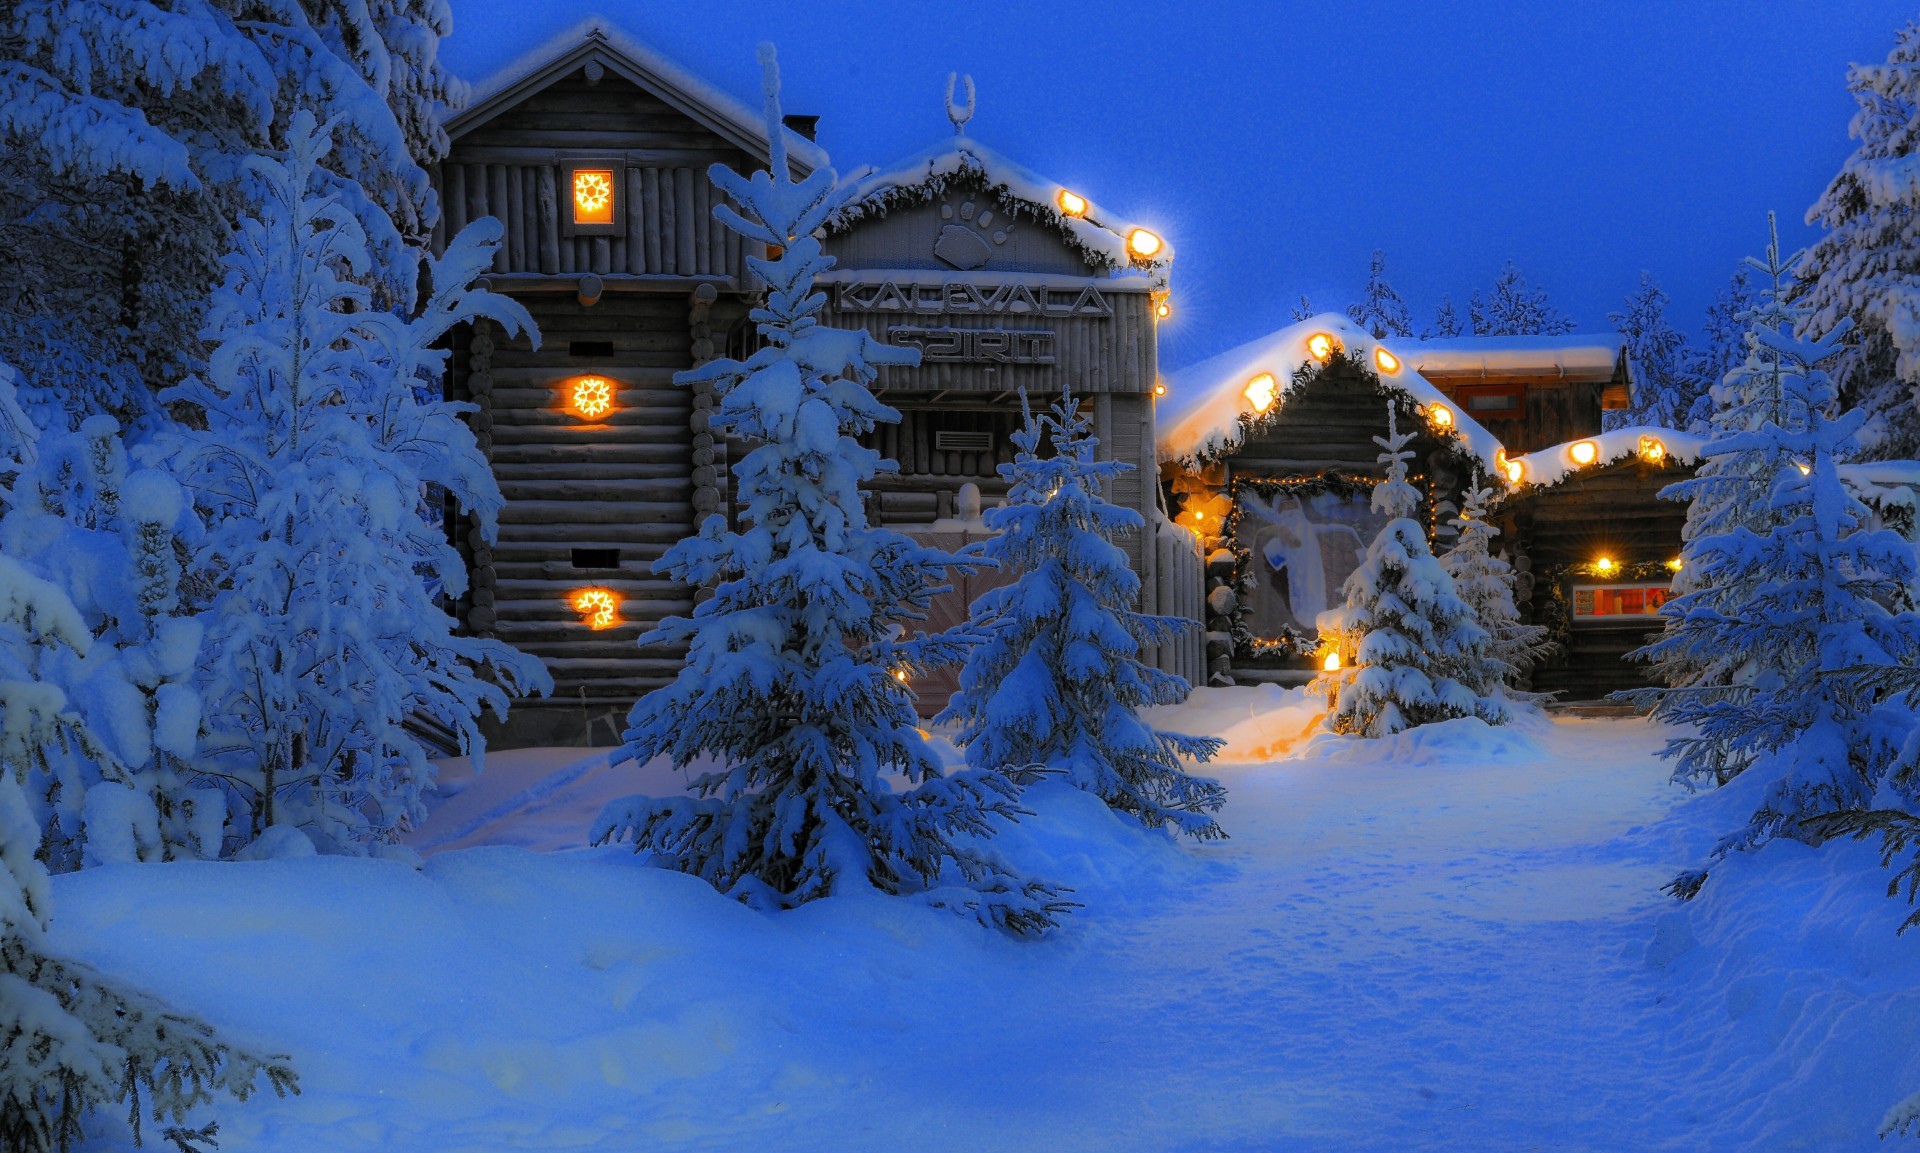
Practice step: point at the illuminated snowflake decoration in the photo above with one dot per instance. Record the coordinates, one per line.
(592, 396)
(598, 607)
(592, 192)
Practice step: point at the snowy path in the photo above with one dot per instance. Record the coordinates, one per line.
(1437, 943)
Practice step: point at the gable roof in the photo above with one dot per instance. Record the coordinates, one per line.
(1099, 236)
(1589, 357)
(1205, 402)
(597, 39)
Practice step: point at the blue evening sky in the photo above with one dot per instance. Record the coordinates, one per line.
(1277, 144)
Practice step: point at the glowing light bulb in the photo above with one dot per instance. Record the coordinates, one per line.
(900, 675)
(1804, 470)
(1332, 663)
(1584, 452)
(1262, 391)
(599, 607)
(1387, 361)
(1603, 565)
(1073, 205)
(1651, 450)
(1440, 415)
(1159, 389)
(1516, 471)
(592, 396)
(1163, 310)
(1676, 564)
(1320, 346)
(1143, 243)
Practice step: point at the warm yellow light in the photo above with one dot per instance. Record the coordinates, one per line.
(1584, 452)
(1320, 346)
(1516, 471)
(1159, 389)
(1675, 564)
(1804, 470)
(1440, 415)
(1651, 450)
(1198, 516)
(1603, 565)
(593, 196)
(900, 675)
(1143, 243)
(1332, 663)
(1163, 309)
(599, 607)
(1387, 361)
(1262, 391)
(591, 397)
(1072, 205)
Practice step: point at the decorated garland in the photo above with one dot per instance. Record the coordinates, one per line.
(1557, 614)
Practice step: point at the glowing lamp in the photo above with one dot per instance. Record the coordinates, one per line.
(1163, 309)
(1516, 471)
(593, 196)
(591, 397)
(599, 608)
(1387, 361)
(1675, 564)
(1077, 206)
(1142, 243)
(1651, 450)
(1320, 346)
(1440, 415)
(900, 675)
(1804, 470)
(1332, 663)
(1262, 391)
(1584, 452)
(1603, 565)
(1159, 389)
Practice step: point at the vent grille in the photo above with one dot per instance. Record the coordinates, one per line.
(963, 441)
(596, 558)
(590, 348)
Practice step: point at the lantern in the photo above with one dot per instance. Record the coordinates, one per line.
(1142, 243)
(1320, 346)
(1073, 205)
(1440, 415)
(1584, 452)
(1387, 361)
(597, 607)
(590, 397)
(1262, 391)
(593, 196)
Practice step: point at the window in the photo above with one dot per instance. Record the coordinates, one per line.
(1496, 401)
(594, 204)
(596, 558)
(1618, 602)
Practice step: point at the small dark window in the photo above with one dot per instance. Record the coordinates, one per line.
(590, 348)
(596, 558)
(1493, 402)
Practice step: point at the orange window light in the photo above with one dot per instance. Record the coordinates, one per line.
(590, 397)
(599, 608)
(593, 196)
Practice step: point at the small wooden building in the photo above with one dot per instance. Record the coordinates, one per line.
(1530, 391)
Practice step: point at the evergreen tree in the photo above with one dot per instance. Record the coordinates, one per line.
(1515, 308)
(1409, 647)
(1485, 582)
(1303, 310)
(320, 437)
(790, 680)
(1723, 350)
(1058, 680)
(73, 1040)
(1658, 352)
(1381, 312)
(1446, 322)
(1866, 269)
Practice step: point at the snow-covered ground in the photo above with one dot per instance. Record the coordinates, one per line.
(1452, 939)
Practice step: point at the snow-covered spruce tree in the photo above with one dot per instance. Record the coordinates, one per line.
(1723, 349)
(1381, 312)
(790, 680)
(322, 433)
(1658, 352)
(1302, 310)
(73, 1040)
(1514, 308)
(1732, 489)
(1446, 321)
(1812, 727)
(1866, 268)
(1411, 652)
(1485, 582)
(1057, 680)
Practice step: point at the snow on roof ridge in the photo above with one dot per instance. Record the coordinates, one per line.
(716, 99)
(1209, 419)
(874, 192)
(1553, 464)
(1541, 341)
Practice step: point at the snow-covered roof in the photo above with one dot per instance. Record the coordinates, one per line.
(1590, 356)
(599, 38)
(1556, 463)
(1204, 403)
(1099, 235)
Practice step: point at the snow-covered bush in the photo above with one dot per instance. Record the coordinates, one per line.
(1057, 680)
(320, 436)
(790, 680)
(1485, 582)
(1410, 651)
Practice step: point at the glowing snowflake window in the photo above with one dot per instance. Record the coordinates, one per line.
(598, 608)
(592, 196)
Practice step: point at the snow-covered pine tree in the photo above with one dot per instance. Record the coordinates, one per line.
(794, 669)
(320, 437)
(1057, 680)
(1302, 310)
(1381, 311)
(1866, 268)
(1446, 321)
(1722, 350)
(1731, 490)
(1658, 352)
(1485, 582)
(1514, 308)
(1811, 729)
(1410, 650)
(73, 1040)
